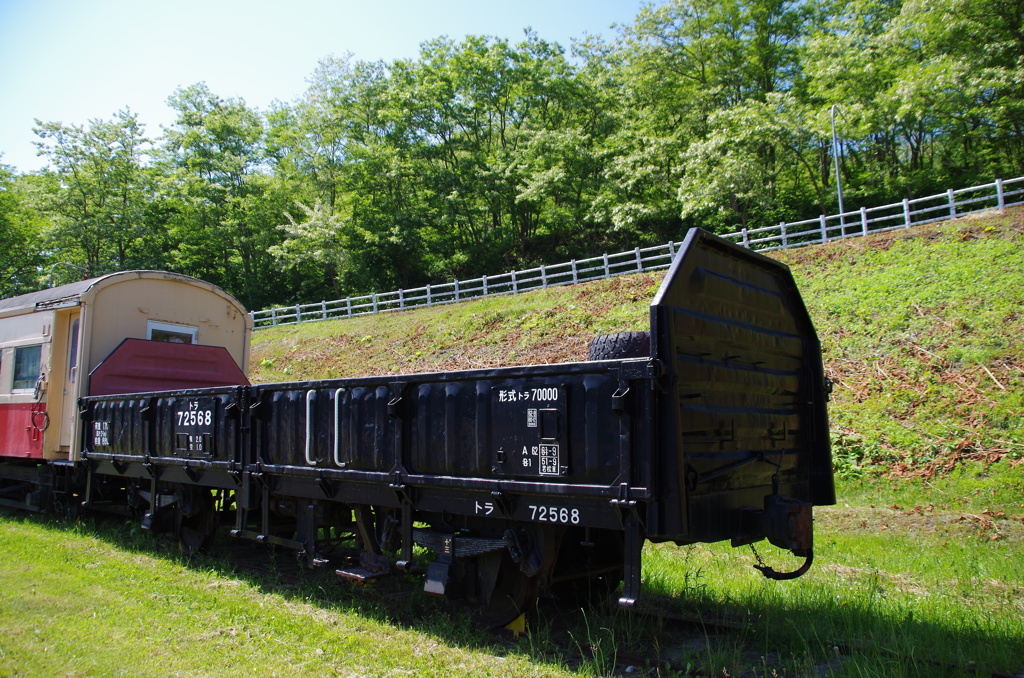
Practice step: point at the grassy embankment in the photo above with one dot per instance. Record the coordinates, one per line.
(918, 568)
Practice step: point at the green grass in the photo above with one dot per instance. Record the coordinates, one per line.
(917, 570)
(896, 591)
(921, 333)
(95, 600)
(546, 326)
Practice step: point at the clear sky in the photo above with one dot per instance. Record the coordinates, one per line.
(77, 60)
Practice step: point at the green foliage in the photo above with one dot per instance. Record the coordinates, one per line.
(737, 172)
(96, 190)
(20, 235)
(482, 154)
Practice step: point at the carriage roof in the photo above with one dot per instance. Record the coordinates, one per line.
(73, 293)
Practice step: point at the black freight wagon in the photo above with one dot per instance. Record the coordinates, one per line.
(711, 427)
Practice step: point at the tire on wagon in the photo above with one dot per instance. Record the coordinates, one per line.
(620, 345)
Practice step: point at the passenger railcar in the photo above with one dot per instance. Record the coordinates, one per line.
(123, 332)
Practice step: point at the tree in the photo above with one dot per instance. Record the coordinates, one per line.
(221, 204)
(20, 236)
(682, 66)
(726, 179)
(345, 145)
(970, 75)
(508, 138)
(97, 190)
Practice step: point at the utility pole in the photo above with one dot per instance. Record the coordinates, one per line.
(839, 181)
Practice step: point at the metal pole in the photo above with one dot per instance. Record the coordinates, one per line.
(839, 183)
(85, 271)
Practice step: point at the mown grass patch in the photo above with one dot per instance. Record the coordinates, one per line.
(82, 601)
(546, 326)
(898, 589)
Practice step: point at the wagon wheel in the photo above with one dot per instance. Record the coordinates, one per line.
(589, 566)
(505, 592)
(195, 519)
(67, 508)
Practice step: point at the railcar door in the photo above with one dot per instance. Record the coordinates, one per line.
(69, 414)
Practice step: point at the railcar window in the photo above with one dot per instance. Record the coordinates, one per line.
(176, 334)
(26, 367)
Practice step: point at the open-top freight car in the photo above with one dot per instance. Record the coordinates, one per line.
(712, 426)
(119, 333)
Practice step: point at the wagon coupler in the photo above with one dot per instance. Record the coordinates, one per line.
(771, 573)
(788, 524)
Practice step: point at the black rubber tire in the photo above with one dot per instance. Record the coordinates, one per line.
(620, 345)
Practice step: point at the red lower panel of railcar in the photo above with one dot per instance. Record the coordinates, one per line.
(21, 430)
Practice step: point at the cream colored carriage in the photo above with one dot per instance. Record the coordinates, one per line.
(124, 332)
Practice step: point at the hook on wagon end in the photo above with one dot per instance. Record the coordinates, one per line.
(771, 573)
(786, 523)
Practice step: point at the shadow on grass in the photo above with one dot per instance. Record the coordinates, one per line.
(704, 631)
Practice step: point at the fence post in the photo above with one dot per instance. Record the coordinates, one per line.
(401, 300)
(428, 295)
(863, 221)
(575, 278)
(273, 317)
(543, 277)
(375, 309)
(952, 203)
(671, 251)
(906, 214)
(607, 271)
(456, 290)
(323, 309)
(515, 283)
(746, 238)
(298, 314)
(824, 229)
(348, 306)
(639, 261)
(785, 237)
(1000, 197)
(484, 279)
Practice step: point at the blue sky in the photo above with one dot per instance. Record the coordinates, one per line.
(76, 60)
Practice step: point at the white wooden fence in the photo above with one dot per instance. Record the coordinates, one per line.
(951, 204)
